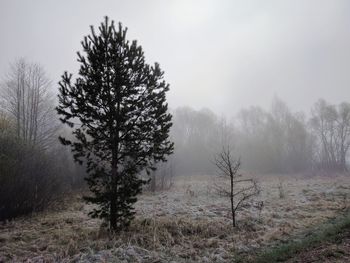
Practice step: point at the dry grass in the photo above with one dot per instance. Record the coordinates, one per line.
(189, 223)
(328, 242)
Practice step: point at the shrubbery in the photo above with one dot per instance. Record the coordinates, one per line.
(29, 177)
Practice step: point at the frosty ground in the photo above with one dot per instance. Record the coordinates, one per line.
(188, 223)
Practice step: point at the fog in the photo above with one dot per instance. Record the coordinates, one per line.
(245, 157)
(222, 55)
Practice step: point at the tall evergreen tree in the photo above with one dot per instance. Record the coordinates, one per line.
(117, 107)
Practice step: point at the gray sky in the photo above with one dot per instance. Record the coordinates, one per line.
(221, 54)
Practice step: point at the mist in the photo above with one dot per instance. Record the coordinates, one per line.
(220, 55)
(174, 131)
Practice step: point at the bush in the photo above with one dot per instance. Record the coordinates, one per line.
(29, 176)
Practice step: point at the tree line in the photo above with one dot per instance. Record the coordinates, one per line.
(277, 140)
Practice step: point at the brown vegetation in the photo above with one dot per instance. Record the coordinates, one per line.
(177, 226)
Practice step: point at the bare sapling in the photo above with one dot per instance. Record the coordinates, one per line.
(233, 186)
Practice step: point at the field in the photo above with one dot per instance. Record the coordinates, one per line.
(188, 223)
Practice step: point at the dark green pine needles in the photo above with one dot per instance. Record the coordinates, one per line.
(119, 115)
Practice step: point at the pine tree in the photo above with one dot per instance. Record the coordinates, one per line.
(118, 111)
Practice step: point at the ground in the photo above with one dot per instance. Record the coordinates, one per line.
(326, 252)
(188, 223)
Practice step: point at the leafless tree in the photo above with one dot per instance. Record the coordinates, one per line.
(238, 189)
(343, 133)
(331, 124)
(26, 97)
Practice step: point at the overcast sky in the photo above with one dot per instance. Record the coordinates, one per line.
(220, 54)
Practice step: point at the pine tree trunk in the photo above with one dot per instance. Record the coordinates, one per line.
(113, 200)
(113, 208)
(115, 154)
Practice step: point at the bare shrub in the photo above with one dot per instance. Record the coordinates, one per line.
(162, 179)
(281, 191)
(259, 205)
(189, 191)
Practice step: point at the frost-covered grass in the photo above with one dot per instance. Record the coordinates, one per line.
(189, 223)
(327, 242)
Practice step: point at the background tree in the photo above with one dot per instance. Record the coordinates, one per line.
(27, 98)
(331, 124)
(343, 134)
(194, 133)
(120, 104)
(289, 137)
(275, 141)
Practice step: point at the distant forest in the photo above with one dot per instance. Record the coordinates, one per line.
(274, 141)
